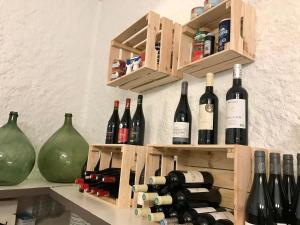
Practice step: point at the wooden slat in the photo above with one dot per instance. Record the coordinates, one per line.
(117, 160)
(137, 38)
(125, 47)
(140, 24)
(152, 164)
(236, 41)
(249, 30)
(93, 157)
(227, 198)
(175, 57)
(167, 164)
(185, 51)
(141, 45)
(105, 160)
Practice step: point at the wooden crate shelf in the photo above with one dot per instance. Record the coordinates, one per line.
(141, 37)
(230, 165)
(240, 49)
(128, 158)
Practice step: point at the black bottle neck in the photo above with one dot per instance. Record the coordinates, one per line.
(237, 82)
(288, 168)
(260, 165)
(275, 165)
(209, 89)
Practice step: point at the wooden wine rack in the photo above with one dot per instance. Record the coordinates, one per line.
(230, 165)
(128, 158)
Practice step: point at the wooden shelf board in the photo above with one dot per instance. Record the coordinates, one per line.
(217, 62)
(137, 38)
(210, 148)
(210, 16)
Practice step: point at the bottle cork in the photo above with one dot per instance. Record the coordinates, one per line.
(209, 79)
(142, 211)
(149, 196)
(163, 200)
(140, 188)
(157, 180)
(156, 216)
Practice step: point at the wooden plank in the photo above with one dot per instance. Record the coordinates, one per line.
(93, 157)
(166, 44)
(187, 30)
(227, 198)
(117, 160)
(154, 84)
(129, 77)
(137, 38)
(249, 30)
(175, 56)
(152, 164)
(153, 29)
(141, 45)
(185, 51)
(125, 47)
(167, 164)
(107, 146)
(236, 41)
(113, 54)
(105, 160)
(242, 174)
(124, 199)
(138, 25)
(194, 147)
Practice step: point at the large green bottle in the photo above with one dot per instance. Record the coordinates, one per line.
(17, 155)
(62, 157)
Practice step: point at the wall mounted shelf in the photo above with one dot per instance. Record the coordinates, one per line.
(240, 49)
(141, 37)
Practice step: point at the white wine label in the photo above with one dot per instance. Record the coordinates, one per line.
(197, 190)
(206, 117)
(222, 216)
(204, 210)
(246, 223)
(236, 113)
(193, 177)
(181, 130)
(281, 223)
(207, 47)
(140, 200)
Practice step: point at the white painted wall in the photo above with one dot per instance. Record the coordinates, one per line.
(54, 55)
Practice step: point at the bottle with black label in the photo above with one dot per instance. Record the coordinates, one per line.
(289, 184)
(237, 110)
(187, 179)
(137, 129)
(208, 114)
(221, 218)
(209, 44)
(259, 209)
(113, 126)
(277, 194)
(125, 123)
(183, 118)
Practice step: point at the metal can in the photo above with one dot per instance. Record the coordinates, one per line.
(209, 44)
(196, 12)
(224, 33)
(198, 45)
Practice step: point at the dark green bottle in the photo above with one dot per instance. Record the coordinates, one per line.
(62, 157)
(17, 155)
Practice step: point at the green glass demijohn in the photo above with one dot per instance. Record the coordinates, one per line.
(62, 157)
(17, 155)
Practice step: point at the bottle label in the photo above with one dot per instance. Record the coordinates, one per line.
(134, 135)
(281, 223)
(181, 130)
(123, 135)
(140, 200)
(109, 135)
(236, 113)
(198, 190)
(222, 216)
(205, 210)
(246, 223)
(207, 47)
(206, 117)
(193, 177)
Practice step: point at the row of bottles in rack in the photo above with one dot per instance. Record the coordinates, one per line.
(236, 114)
(276, 200)
(182, 197)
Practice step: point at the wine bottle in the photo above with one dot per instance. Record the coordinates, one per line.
(277, 194)
(192, 197)
(137, 129)
(113, 126)
(237, 110)
(183, 118)
(189, 215)
(213, 218)
(167, 212)
(259, 210)
(296, 216)
(289, 184)
(208, 114)
(186, 179)
(124, 126)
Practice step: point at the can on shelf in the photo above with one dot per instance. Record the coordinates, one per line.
(196, 12)
(209, 44)
(224, 33)
(198, 45)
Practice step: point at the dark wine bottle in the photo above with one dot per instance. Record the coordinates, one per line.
(208, 114)
(124, 126)
(214, 218)
(137, 129)
(289, 184)
(277, 194)
(187, 179)
(192, 197)
(183, 118)
(113, 126)
(259, 210)
(188, 216)
(296, 216)
(237, 110)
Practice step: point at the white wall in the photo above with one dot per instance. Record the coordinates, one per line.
(273, 81)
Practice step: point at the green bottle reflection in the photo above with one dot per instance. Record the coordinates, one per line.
(17, 155)
(62, 157)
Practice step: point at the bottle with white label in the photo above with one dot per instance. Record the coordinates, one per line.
(237, 110)
(187, 179)
(220, 218)
(188, 216)
(208, 114)
(182, 118)
(191, 197)
(259, 209)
